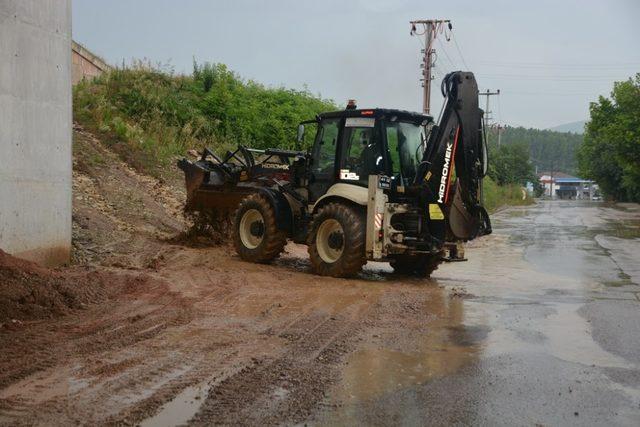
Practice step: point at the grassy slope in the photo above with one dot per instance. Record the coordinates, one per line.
(149, 117)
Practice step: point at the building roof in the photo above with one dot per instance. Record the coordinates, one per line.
(560, 178)
(571, 179)
(555, 174)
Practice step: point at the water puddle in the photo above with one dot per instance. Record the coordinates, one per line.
(448, 344)
(181, 409)
(569, 338)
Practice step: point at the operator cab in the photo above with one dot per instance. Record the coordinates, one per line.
(354, 143)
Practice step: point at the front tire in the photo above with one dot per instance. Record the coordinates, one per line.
(417, 265)
(255, 234)
(336, 242)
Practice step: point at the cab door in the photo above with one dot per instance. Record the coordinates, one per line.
(361, 153)
(323, 165)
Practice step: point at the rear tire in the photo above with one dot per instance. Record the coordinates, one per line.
(336, 242)
(255, 234)
(417, 265)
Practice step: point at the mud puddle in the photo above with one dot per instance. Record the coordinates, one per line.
(529, 331)
(181, 408)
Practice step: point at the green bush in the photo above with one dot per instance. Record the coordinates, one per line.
(496, 196)
(510, 164)
(152, 115)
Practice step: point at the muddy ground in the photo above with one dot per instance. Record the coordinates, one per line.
(540, 326)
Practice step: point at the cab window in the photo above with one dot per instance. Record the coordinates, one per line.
(361, 152)
(405, 142)
(324, 150)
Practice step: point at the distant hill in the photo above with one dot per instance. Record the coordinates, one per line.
(550, 150)
(575, 127)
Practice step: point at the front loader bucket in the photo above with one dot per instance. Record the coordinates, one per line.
(208, 189)
(194, 176)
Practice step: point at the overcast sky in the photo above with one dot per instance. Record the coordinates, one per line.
(548, 58)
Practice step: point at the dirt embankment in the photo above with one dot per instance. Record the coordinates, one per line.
(121, 219)
(120, 216)
(30, 292)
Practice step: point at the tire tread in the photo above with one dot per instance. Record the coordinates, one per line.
(354, 228)
(274, 239)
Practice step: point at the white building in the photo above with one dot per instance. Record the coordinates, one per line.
(558, 185)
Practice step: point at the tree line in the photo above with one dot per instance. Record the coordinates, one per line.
(548, 150)
(610, 154)
(520, 153)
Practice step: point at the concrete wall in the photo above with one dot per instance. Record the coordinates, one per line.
(35, 129)
(85, 64)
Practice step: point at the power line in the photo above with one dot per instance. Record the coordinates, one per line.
(549, 93)
(440, 73)
(598, 65)
(459, 51)
(549, 78)
(453, 66)
(561, 76)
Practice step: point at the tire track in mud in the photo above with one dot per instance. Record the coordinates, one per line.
(269, 345)
(80, 345)
(289, 387)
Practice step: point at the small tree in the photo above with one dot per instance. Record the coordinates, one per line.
(206, 73)
(509, 164)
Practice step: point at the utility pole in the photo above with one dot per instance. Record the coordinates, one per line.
(431, 29)
(488, 94)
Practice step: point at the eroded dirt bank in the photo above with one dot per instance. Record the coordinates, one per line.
(540, 326)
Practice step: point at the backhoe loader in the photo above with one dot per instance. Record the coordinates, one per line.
(378, 184)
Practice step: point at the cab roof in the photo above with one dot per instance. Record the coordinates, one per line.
(378, 113)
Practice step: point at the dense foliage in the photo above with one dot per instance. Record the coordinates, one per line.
(610, 154)
(549, 150)
(509, 164)
(154, 115)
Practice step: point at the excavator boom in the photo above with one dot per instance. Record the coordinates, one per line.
(455, 161)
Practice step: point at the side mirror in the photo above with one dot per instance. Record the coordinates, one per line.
(300, 137)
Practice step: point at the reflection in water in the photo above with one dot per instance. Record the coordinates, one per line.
(445, 345)
(537, 285)
(180, 409)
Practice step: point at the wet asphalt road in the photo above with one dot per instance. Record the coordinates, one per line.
(541, 327)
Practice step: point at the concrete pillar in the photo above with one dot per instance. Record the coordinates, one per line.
(35, 129)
